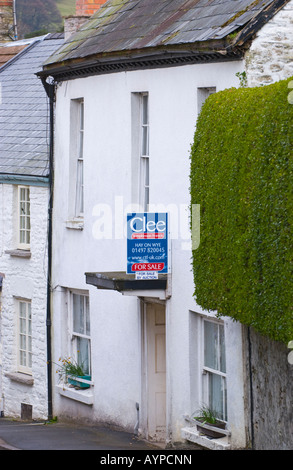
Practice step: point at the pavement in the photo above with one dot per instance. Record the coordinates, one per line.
(26, 435)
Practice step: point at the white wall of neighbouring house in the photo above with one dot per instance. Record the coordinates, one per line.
(89, 246)
(25, 280)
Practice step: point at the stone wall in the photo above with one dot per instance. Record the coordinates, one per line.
(271, 379)
(270, 57)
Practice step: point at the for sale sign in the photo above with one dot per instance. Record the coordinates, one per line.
(147, 244)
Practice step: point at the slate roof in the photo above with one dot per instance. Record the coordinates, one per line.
(136, 28)
(24, 111)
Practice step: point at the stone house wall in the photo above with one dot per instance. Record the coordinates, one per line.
(270, 57)
(25, 278)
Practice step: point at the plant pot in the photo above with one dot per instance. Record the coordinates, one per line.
(79, 384)
(211, 430)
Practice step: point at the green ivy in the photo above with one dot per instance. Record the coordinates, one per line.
(241, 175)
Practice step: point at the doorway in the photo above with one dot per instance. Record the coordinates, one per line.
(154, 370)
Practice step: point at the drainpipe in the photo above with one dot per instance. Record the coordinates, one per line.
(137, 419)
(50, 90)
(14, 21)
(14, 27)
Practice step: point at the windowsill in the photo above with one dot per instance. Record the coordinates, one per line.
(76, 223)
(83, 396)
(20, 377)
(18, 253)
(191, 434)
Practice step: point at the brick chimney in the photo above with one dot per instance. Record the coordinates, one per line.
(6, 20)
(88, 7)
(84, 9)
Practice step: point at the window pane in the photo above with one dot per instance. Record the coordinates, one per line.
(81, 115)
(79, 188)
(218, 394)
(83, 353)
(214, 346)
(222, 349)
(30, 360)
(22, 342)
(22, 358)
(22, 310)
(210, 342)
(22, 326)
(145, 139)
(87, 316)
(147, 172)
(78, 314)
(145, 118)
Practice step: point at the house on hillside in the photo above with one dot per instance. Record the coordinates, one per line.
(24, 196)
(128, 88)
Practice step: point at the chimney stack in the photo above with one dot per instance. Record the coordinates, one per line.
(6, 20)
(88, 7)
(84, 9)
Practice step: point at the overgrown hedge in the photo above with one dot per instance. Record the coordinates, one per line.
(241, 175)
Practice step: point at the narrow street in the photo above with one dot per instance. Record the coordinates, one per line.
(17, 435)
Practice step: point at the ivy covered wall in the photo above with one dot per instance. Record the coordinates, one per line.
(242, 177)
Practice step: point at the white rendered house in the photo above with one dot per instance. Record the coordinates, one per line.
(128, 92)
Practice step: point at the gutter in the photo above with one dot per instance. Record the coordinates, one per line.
(24, 179)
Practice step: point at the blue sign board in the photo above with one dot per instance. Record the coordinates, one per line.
(147, 242)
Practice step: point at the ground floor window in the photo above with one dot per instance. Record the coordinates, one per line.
(24, 336)
(80, 327)
(214, 387)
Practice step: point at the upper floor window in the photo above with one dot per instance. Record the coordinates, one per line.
(76, 189)
(140, 150)
(24, 218)
(202, 94)
(144, 151)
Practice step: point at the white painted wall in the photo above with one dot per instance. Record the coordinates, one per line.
(25, 278)
(115, 319)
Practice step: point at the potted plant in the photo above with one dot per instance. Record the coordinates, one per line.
(209, 423)
(71, 371)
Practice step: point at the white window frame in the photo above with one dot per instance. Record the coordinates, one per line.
(75, 335)
(208, 372)
(202, 94)
(79, 195)
(144, 142)
(23, 215)
(24, 366)
(76, 161)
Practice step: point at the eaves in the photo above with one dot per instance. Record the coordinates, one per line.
(214, 51)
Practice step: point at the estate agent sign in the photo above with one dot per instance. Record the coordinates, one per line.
(147, 244)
